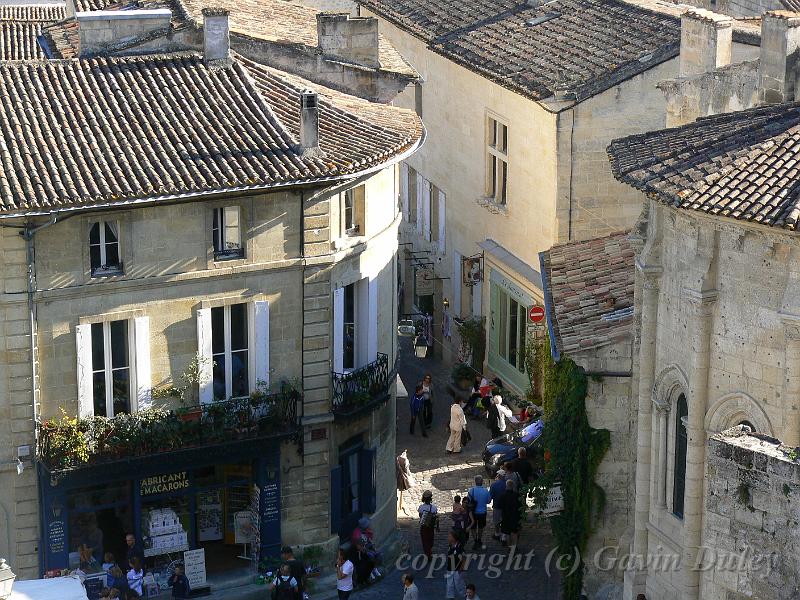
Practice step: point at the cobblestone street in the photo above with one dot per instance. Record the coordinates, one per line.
(447, 475)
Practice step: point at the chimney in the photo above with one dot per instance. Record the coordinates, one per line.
(216, 36)
(69, 9)
(777, 67)
(108, 31)
(706, 41)
(309, 124)
(353, 39)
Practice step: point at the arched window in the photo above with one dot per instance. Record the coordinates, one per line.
(679, 476)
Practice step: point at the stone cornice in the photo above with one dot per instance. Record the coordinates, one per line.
(700, 298)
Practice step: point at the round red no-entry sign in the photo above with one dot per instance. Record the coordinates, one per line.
(536, 314)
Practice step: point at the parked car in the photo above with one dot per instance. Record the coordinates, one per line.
(504, 448)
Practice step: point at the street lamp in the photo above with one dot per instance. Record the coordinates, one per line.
(7, 578)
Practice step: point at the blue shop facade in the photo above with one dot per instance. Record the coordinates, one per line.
(185, 499)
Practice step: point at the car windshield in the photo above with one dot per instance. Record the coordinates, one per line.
(531, 432)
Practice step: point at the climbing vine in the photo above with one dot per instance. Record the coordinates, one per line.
(573, 451)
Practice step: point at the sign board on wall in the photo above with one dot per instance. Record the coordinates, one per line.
(161, 484)
(536, 314)
(553, 504)
(194, 562)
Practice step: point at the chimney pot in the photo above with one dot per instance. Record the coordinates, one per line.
(216, 36)
(706, 41)
(309, 124)
(778, 62)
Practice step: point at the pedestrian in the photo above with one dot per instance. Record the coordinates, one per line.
(362, 563)
(119, 580)
(427, 391)
(134, 549)
(496, 491)
(108, 564)
(454, 583)
(297, 569)
(462, 519)
(410, 591)
(285, 586)
(502, 413)
(405, 479)
(417, 404)
(428, 522)
(472, 594)
(511, 474)
(344, 575)
(458, 422)
(522, 466)
(493, 420)
(179, 583)
(479, 497)
(136, 575)
(509, 503)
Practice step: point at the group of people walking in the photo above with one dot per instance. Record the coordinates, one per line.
(484, 401)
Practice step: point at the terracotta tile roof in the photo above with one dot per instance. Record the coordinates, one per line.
(21, 26)
(589, 292)
(743, 165)
(80, 133)
(276, 21)
(583, 46)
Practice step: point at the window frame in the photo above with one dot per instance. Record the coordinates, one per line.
(352, 291)
(411, 190)
(103, 269)
(108, 367)
(228, 351)
(353, 201)
(218, 229)
(505, 319)
(680, 451)
(496, 157)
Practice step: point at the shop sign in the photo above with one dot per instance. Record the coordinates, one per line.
(56, 536)
(194, 564)
(424, 282)
(162, 484)
(553, 503)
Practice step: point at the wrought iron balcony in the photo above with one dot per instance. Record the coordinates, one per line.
(362, 389)
(68, 444)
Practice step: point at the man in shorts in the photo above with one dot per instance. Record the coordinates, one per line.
(479, 497)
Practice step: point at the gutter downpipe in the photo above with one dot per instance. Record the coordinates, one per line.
(28, 234)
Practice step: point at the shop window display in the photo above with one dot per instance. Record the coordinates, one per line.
(165, 525)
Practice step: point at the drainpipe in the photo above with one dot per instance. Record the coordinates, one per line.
(28, 234)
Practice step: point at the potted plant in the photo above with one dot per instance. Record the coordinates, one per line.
(462, 375)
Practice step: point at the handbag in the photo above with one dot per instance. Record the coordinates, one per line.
(465, 436)
(428, 518)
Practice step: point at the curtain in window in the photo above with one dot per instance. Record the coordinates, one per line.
(352, 467)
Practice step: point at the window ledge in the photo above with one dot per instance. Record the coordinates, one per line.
(226, 256)
(494, 208)
(103, 272)
(348, 241)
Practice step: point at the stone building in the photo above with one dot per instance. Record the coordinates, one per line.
(711, 82)
(245, 222)
(339, 51)
(716, 291)
(588, 297)
(520, 101)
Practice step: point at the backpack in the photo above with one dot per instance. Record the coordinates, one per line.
(428, 518)
(283, 590)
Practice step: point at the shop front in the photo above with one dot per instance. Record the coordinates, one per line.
(514, 287)
(172, 502)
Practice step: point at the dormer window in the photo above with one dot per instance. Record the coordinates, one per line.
(227, 233)
(104, 255)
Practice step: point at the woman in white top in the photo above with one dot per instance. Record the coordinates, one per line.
(458, 421)
(344, 576)
(504, 412)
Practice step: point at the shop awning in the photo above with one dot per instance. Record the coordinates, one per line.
(63, 588)
(512, 262)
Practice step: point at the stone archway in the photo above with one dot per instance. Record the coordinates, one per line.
(731, 409)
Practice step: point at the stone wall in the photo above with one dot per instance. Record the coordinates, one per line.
(751, 532)
(610, 404)
(727, 89)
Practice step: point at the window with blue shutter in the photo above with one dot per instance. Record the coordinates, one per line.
(366, 468)
(336, 498)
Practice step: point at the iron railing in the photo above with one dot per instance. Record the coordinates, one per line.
(67, 443)
(363, 388)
